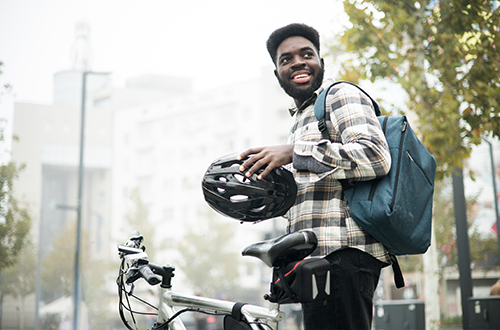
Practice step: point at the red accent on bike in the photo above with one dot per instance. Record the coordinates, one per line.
(290, 270)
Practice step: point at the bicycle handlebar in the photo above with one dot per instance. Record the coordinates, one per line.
(135, 265)
(141, 267)
(147, 274)
(128, 249)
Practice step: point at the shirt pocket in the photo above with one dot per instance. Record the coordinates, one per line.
(308, 133)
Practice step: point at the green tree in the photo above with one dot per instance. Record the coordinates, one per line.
(137, 218)
(19, 279)
(15, 219)
(482, 246)
(6, 88)
(445, 55)
(58, 266)
(58, 271)
(206, 258)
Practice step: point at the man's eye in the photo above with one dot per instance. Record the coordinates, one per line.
(284, 60)
(307, 55)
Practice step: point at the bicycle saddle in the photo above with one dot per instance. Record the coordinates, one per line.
(290, 247)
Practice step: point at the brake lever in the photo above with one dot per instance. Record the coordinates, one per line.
(131, 292)
(136, 260)
(136, 239)
(132, 275)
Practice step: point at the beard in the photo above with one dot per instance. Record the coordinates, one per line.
(303, 94)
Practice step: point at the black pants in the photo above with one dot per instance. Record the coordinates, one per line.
(354, 278)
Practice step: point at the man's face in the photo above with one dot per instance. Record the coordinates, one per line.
(299, 68)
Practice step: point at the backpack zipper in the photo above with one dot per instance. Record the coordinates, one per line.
(403, 131)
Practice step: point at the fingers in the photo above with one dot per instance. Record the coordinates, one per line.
(253, 156)
(270, 157)
(253, 163)
(249, 152)
(266, 171)
(256, 166)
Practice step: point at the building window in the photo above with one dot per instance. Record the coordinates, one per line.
(126, 139)
(168, 214)
(48, 126)
(145, 187)
(103, 132)
(66, 128)
(100, 197)
(168, 185)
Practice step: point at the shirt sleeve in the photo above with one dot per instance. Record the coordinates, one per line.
(357, 149)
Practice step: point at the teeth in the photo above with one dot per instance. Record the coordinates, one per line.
(303, 75)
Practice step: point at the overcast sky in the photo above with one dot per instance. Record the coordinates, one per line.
(213, 41)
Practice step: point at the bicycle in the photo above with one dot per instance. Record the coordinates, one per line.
(275, 253)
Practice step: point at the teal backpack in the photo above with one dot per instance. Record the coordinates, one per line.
(395, 209)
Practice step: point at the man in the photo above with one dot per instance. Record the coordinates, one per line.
(357, 150)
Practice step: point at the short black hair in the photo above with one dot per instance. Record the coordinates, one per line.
(291, 30)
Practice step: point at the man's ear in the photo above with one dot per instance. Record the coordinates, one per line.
(276, 73)
(322, 62)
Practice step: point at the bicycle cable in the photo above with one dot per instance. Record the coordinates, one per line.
(165, 324)
(127, 306)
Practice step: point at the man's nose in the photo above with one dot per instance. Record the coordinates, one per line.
(298, 61)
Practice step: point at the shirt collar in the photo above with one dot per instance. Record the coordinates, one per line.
(326, 82)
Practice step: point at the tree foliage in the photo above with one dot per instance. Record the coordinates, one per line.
(58, 267)
(206, 258)
(482, 246)
(445, 55)
(137, 218)
(58, 270)
(15, 219)
(19, 279)
(6, 87)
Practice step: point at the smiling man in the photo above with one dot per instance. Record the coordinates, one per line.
(356, 150)
(299, 69)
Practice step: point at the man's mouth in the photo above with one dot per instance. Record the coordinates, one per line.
(301, 77)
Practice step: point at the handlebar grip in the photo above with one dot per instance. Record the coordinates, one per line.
(148, 275)
(128, 249)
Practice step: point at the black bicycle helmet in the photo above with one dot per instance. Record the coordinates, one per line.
(230, 193)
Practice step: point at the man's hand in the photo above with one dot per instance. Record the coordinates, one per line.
(273, 156)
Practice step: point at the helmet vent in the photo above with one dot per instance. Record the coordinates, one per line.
(219, 189)
(258, 209)
(238, 198)
(241, 178)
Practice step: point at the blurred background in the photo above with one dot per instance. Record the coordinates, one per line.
(169, 87)
(173, 86)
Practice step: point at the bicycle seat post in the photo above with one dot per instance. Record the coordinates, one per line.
(273, 307)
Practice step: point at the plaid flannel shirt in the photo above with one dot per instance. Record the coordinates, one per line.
(357, 150)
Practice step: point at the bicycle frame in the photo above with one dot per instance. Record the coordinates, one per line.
(252, 313)
(168, 299)
(135, 265)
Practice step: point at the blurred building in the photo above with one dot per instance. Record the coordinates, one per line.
(49, 144)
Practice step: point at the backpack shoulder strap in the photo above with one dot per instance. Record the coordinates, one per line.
(320, 107)
(398, 274)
